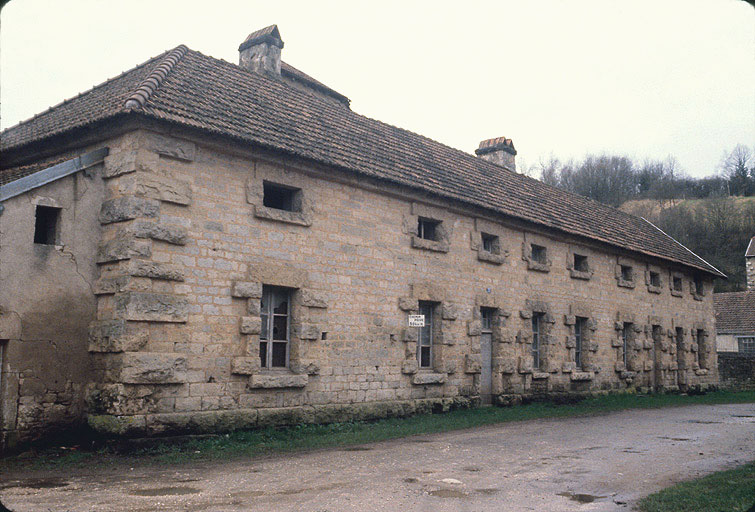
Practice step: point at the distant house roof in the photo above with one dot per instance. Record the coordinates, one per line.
(750, 248)
(187, 88)
(735, 312)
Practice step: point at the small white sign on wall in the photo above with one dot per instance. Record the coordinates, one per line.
(416, 320)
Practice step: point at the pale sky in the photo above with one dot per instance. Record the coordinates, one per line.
(647, 79)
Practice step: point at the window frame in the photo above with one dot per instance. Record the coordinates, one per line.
(751, 342)
(537, 332)
(426, 334)
(293, 196)
(267, 321)
(426, 222)
(580, 323)
(539, 250)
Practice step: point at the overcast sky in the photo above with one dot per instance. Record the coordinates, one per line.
(647, 79)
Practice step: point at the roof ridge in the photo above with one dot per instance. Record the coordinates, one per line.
(155, 78)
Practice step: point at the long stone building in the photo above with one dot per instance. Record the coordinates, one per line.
(201, 246)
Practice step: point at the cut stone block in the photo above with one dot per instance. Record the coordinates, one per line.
(271, 381)
(311, 299)
(427, 378)
(151, 269)
(115, 336)
(152, 368)
(176, 235)
(250, 325)
(246, 289)
(126, 208)
(472, 363)
(123, 248)
(151, 307)
(409, 367)
(245, 365)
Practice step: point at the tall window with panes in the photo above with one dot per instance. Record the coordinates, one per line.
(626, 337)
(425, 341)
(275, 331)
(579, 334)
(537, 326)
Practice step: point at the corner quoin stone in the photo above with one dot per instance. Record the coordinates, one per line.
(152, 368)
(152, 307)
(127, 208)
(246, 290)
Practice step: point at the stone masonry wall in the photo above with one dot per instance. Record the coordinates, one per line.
(187, 246)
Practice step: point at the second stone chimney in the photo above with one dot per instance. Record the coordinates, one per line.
(750, 265)
(500, 151)
(261, 51)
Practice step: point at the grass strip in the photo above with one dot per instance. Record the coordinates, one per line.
(252, 443)
(725, 491)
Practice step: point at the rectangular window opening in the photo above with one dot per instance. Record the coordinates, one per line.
(626, 337)
(746, 345)
(580, 263)
(281, 197)
(490, 243)
(699, 286)
(537, 322)
(579, 331)
(275, 329)
(486, 319)
(428, 228)
(425, 341)
(46, 225)
(677, 283)
(539, 254)
(701, 348)
(655, 279)
(626, 273)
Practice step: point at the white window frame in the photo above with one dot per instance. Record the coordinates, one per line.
(267, 317)
(750, 341)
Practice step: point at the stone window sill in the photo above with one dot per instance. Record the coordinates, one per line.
(579, 274)
(538, 267)
(496, 259)
(624, 283)
(271, 379)
(697, 296)
(654, 289)
(676, 293)
(298, 218)
(537, 375)
(424, 378)
(701, 371)
(429, 245)
(581, 376)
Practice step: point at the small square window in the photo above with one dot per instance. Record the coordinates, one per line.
(677, 283)
(539, 254)
(746, 345)
(281, 197)
(428, 228)
(486, 318)
(46, 225)
(580, 263)
(655, 279)
(490, 243)
(627, 273)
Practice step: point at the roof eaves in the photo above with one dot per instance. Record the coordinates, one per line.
(715, 271)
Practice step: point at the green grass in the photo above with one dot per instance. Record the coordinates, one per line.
(253, 443)
(725, 491)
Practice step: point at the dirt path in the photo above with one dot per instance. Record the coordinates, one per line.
(577, 464)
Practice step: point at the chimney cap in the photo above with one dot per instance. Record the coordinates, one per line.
(750, 252)
(269, 35)
(497, 144)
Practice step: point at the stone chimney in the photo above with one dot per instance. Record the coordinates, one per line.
(261, 51)
(500, 151)
(750, 265)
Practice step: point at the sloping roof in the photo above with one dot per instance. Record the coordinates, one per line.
(750, 248)
(215, 96)
(735, 312)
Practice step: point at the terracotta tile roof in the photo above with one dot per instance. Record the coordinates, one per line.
(735, 312)
(222, 98)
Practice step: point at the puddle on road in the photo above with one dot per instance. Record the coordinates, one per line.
(487, 492)
(357, 449)
(411, 480)
(472, 469)
(742, 416)
(37, 483)
(581, 498)
(675, 438)
(165, 491)
(703, 422)
(448, 493)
